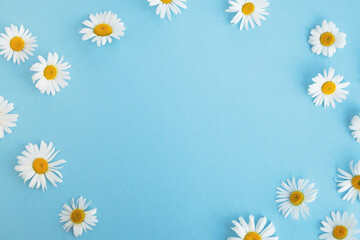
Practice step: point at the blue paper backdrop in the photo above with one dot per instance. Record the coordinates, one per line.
(182, 126)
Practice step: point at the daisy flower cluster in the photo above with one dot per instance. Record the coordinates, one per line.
(293, 198)
(36, 165)
(327, 88)
(18, 44)
(51, 72)
(39, 164)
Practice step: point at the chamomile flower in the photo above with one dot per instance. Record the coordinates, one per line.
(355, 127)
(350, 182)
(252, 231)
(248, 12)
(78, 217)
(36, 164)
(102, 27)
(339, 227)
(293, 197)
(17, 44)
(167, 6)
(326, 38)
(328, 88)
(50, 74)
(6, 120)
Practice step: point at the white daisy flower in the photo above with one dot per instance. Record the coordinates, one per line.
(77, 218)
(35, 164)
(102, 27)
(294, 196)
(339, 227)
(6, 120)
(328, 88)
(355, 126)
(253, 232)
(248, 12)
(167, 6)
(50, 74)
(17, 44)
(350, 182)
(326, 39)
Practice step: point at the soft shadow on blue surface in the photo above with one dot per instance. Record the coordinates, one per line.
(182, 126)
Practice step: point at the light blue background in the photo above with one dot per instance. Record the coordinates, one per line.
(182, 126)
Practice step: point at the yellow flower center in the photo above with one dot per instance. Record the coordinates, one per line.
(40, 166)
(252, 236)
(296, 198)
(50, 72)
(327, 38)
(248, 8)
(328, 88)
(166, 1)
(340, 232)
(77, 216)
(355, 181)
(17, 44)
(103, 29)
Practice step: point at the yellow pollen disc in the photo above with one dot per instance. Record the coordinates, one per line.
(248, 8)
(355, 181)
(296, 198)
(103, 29)
(252, 236)
(77, 216)
(327, 38)
(50, 72)
(17, 44)
(328, 88)
(340, 232)
(40, 165)
(166, 1)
